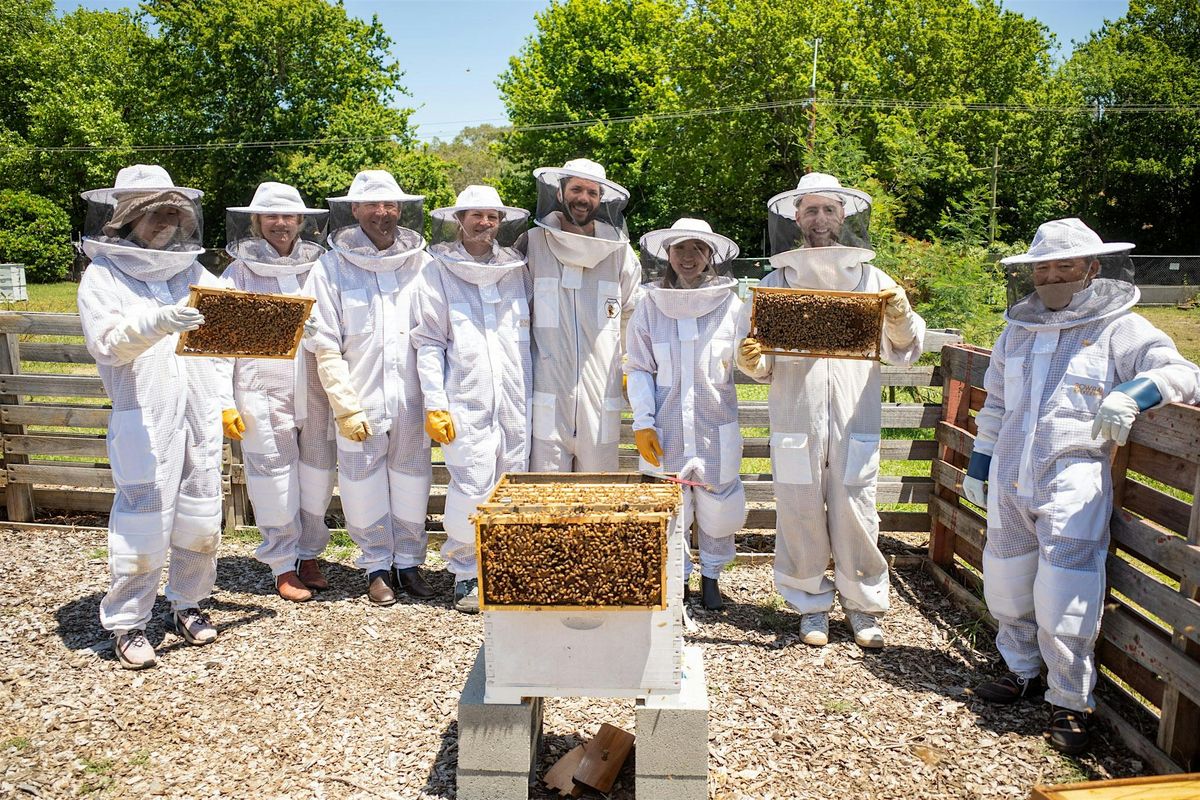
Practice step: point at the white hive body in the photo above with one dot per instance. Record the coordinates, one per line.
(586, 650)
(12, 283)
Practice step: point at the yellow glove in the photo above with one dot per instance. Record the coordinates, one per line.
(231, 421)
(897, 302)
(440, 426)
(749, 353)
(648, 446)
(354, 426)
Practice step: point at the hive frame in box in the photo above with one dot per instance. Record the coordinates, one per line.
(201, 291)
(875, 296)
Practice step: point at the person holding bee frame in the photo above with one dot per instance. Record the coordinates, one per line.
(472, 343)
(825, 414)
(1070, 373)
(679, 345)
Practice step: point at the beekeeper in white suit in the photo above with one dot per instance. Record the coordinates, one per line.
(366, 290)
(680, 345)
(585, 276)
(473, 358)
(164, 435)
(1067, 379)
(825, 414)
(288, 446)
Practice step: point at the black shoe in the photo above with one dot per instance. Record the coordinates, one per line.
(687, 590)
(413, 583)
(379, 588)
(1009, 689)
(711, 594)
(1070, 730)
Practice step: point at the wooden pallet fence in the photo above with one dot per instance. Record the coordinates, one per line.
(1149, 647)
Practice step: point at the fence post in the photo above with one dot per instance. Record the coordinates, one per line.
(956, 406)
(19, 496)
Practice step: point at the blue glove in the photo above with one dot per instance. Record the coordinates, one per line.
(1120, 408)
(975, 483)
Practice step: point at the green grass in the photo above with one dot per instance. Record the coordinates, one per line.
(97, 553)
(17, 743)
(840, 707)
(58, 297)
(1182, 325)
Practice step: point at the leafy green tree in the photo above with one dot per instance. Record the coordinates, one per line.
(473, 156)
(37, 233)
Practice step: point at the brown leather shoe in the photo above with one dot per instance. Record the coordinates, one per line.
(309, 570)
(413, 583)
(379, 588)
(290, 588)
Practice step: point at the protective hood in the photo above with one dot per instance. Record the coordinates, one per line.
(1102, 298)
(261, 258)
(585, 252)
(691, 303)
(830, 268)
(455, 258)
(694, 237)
(138, 262)
(354, 245)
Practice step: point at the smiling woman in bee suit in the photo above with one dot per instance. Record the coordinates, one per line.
(1079, 365)
(473, 358)
(825, 414)
(288, 445)
(164, 434)
(585, 277)
(680, 346)
(366, 289)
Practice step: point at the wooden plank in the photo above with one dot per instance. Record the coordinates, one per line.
(959, 593)
(935, 339)
(889, 376)
(1161, 549)
(965, 363)
(1175, 472)
(18, 498)
(1152, 650)
(41, 445)
(1173, 430)
(52, 385)
(1179, 728)
(1156, 505)
(1181, 613)
(956, 438)
(37, 322)
(88, 477)
(56, 352)
(1143, 681)
(967, 525)
(58, 416)
(99, 501)
(1158, 761)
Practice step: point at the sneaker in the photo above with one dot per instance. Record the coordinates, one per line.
(814, 628)
(133, 650)
(867, 633)
(1070, 730)
(193, 625)
(1009, 689)
(466, 596)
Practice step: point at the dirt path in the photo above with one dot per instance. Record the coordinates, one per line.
(337, 699)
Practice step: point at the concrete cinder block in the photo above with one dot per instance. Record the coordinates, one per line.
(497, 743)
(672, 737)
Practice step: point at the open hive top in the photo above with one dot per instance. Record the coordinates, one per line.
(245, 324)
(816, 324)
(574, 544)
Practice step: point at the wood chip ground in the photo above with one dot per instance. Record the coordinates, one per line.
(338, 699)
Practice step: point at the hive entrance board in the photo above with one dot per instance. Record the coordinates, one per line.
(245, 324)
(561, 543)
(817, 324)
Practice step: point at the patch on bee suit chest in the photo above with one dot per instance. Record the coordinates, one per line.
(612, 308)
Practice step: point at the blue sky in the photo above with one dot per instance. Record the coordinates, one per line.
(451, 76)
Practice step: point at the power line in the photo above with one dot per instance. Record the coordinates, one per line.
(844, 102)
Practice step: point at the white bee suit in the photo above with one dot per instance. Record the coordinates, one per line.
(473, 359)
(825, 431)
(288, 446)
(1050, 494)
(582, 287)
(366, 309)
(680, 347)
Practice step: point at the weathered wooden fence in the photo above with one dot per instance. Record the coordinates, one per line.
(1149, 650)
(53, 428)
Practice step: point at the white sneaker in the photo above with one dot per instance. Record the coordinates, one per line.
(193, 625)
(867, 632)
(133, 651)
(814, 628)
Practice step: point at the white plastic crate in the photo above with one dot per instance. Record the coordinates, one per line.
(601, 653)
(12, 283)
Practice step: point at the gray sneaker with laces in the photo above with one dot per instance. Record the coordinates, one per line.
(193, 625)
(867, 632)
(466, 596)
(814, 628)
(133, 650)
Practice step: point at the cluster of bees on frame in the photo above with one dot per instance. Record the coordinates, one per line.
(246, 324)
(817, 323)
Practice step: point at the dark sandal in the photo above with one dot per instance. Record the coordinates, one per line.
(1009, 689)
(1070, 730)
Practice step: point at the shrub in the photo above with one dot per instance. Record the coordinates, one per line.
(37, 233)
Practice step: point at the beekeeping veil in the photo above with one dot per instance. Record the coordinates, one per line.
(275, 215)
(346, 236)
(582, 212)
(820, 233)
(144, 224)
(456, 233)
(1060, 240)
(693, 241)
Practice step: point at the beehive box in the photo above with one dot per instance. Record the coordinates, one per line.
(12, 283)
(245, 324)
(562, 635)
(817, 324)
(1152, 787)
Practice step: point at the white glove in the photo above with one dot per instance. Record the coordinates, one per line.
(335, 378)
(900, 322)
(975, 491)
(1115, 417)
(897, 306)
(176, 319)
(310, 326)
